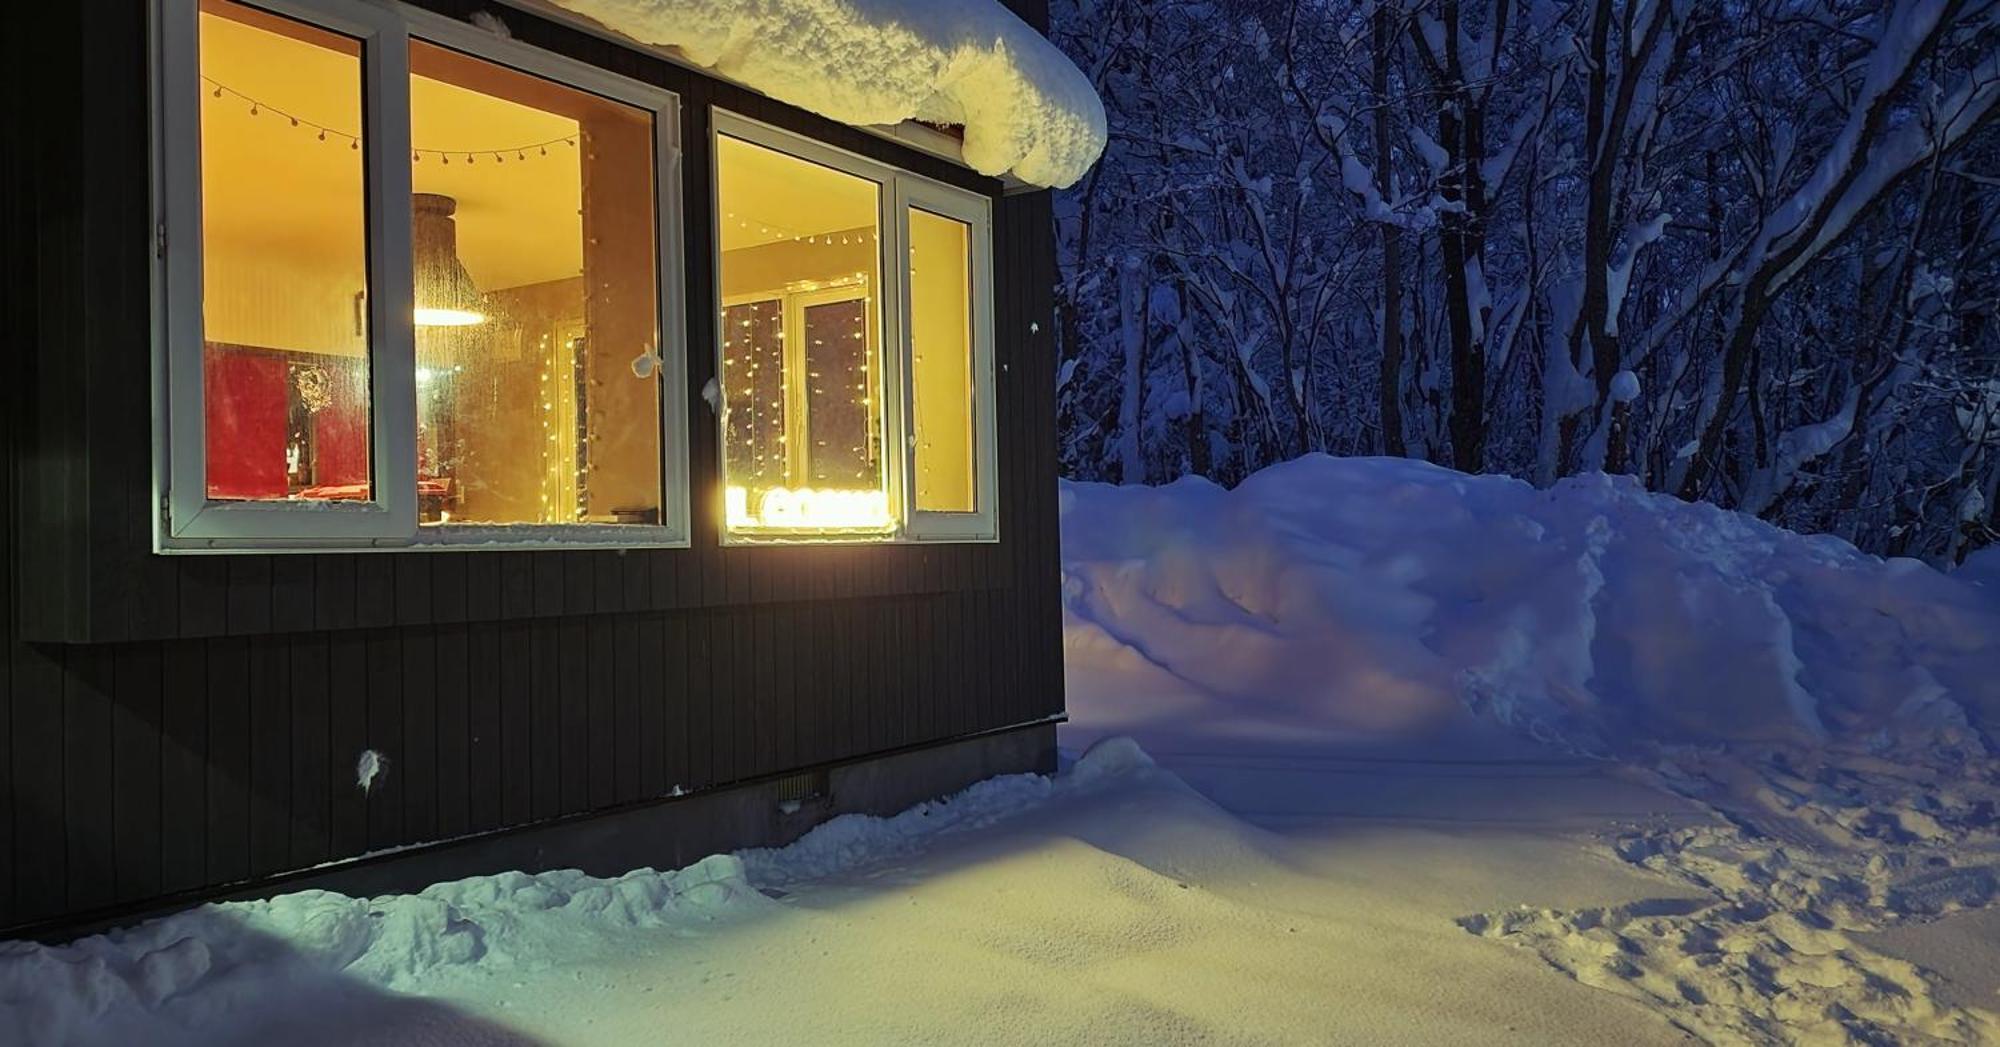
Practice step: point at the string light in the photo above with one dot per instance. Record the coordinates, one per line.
(778, 232)
(322, 132)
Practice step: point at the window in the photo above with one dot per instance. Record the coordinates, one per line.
(951, 369)
(855, 346)
(537, 290)
(415, 286)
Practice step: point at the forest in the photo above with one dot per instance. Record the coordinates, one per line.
(1743, 251)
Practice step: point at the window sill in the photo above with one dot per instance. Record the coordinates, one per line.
(807, 539)
(459, 538)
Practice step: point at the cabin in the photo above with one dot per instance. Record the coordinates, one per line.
(445, 437)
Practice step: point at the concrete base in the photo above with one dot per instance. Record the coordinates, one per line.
(669, 834)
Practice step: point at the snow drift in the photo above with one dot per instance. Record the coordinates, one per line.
(232, 965)
(1827, 709)
(180, 976)
(1385, 599)
(1024, 106)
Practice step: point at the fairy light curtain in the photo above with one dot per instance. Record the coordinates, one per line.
(801, 353)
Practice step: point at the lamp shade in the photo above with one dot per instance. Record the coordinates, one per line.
(446, 295)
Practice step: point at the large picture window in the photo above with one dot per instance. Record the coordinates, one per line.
(855, 345)
(414, 286)
(536, 289)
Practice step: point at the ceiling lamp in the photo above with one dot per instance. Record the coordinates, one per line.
(446, 295)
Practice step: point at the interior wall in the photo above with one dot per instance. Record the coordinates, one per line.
(622, 310)
(769, 267)
(254, 297)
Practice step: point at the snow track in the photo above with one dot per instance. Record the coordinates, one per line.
(1809, 849)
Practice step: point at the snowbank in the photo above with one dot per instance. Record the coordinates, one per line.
(183, 977)
(1830, 711)
(188, 971)
(1981, 568)
(1024, 106)
(1384, 599)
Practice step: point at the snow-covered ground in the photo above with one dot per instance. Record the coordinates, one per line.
(1376, 753)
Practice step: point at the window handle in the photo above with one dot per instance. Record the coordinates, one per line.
(646, 364)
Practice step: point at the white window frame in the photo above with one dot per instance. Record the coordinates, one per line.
(190, 522)
(982, 524)
(899, 191)
(189, 515)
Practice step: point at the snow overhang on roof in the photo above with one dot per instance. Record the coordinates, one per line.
(1026, 109)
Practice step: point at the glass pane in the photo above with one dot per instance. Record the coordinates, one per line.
(801, 346)
(941, 363)
(536, 298)
(284, 259)
(754, 352)
(840, 440)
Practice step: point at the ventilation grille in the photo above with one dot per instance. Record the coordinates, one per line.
(806, 785)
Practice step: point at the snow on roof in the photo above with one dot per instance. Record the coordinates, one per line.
(1026, 109)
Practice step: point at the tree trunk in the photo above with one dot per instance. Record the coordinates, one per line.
(1458, 243)
(1391, 391)
(1194, 423)
(1132, 317)
(1598, 235)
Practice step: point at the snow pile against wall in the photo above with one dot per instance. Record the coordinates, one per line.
(193, 969)
(1025, 107)
(1390, 599)
(233, 965)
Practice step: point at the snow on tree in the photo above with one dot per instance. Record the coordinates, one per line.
(1747, 253)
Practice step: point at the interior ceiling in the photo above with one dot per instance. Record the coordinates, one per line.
(768, 196)
(518, 221)
(277, 187)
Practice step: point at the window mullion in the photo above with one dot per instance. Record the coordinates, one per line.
(895, 351)
(391, 284)
(671, 347)
(897, 262)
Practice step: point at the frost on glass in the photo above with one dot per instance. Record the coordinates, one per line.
(535, 295)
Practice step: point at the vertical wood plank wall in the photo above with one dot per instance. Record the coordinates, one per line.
(209, 734)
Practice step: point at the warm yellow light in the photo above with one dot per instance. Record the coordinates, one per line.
(809, 509)
(427, 317)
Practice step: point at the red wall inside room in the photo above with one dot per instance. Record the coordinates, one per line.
(246, 407)
(340, 431)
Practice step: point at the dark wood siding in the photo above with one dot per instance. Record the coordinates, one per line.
(173, 724)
